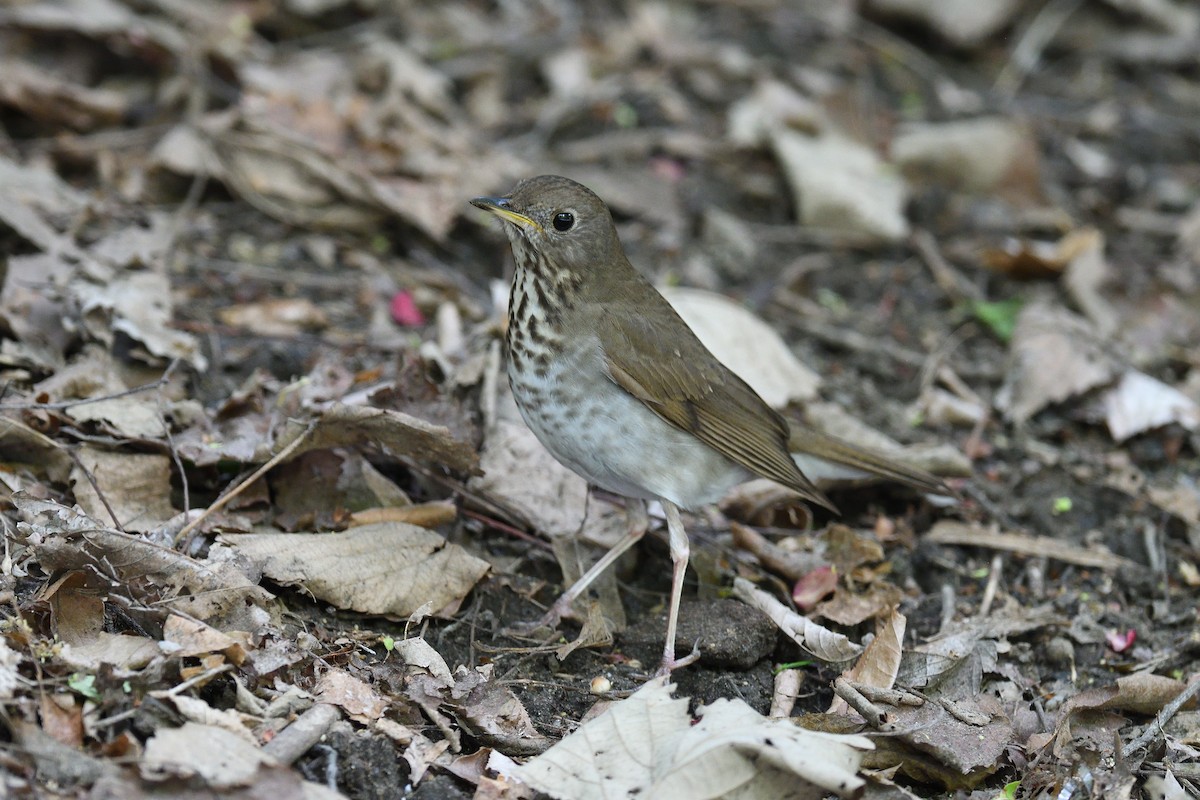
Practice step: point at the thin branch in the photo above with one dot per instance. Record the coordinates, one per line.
(87, 473)
(223, 501)
(1162, 718)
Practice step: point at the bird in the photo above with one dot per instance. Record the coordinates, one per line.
(619, 389)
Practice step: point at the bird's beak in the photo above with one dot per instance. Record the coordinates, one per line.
(502, 207)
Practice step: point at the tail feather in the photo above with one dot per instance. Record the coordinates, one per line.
(808, 441)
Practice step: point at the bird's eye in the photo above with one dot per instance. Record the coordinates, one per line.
(563, 221)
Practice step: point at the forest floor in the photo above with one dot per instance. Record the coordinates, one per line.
(270, 517)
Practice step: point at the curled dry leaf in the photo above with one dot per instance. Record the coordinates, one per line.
(879, 663)
(62, 538)
(821, 642)
(396, 433)
(386, 568)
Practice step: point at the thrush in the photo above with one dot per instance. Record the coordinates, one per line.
(619, 389)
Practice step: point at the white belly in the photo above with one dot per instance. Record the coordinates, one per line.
(615, 442)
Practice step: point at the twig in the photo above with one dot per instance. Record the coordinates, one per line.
(956, 287)
(87, 473)
(222, 501)
(308, 729)
(1162, 718)
(183, 479)
(65, 404)
(846, 338)
(192, 681)
(989, 591)
(1028, 52)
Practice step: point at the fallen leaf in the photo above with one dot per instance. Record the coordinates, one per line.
(358, 698)
(1055, 355)
(1139, 403)
(228, 759)
(398, 434)
(971, 154)
(963, 23)
(77, 615)
(646, 746)
(387, 568)
(288, 316)
(820, 641)
(135, 486)
(842, 185)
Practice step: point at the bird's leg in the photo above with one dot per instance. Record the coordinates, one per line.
(639, 522)
(679, 560)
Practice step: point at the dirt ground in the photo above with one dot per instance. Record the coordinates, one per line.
(271, 523)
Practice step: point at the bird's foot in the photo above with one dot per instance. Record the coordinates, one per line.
(548, 621)
(670, 663)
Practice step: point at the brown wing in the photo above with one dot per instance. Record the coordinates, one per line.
(656, 358)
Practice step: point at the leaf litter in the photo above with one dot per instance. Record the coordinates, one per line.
(261, 483)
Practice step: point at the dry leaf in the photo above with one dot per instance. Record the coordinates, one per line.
(963, 23)
(285, 316)
(358, 698)
(136, 486)
(1055, 356)
(841, 185)
(821, 642)
(646, 746)
(972, 154)
(228, 759)
(77, 614)
(394, 432)
(388, 568)
(208, 590)
(1139, 403)
(880, 662)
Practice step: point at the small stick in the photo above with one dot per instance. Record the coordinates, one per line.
(223, 501)
(787, 689)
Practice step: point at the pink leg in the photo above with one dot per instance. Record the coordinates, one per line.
(638, 523)
(679, 561)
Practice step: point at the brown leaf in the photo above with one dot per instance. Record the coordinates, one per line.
(389, 568)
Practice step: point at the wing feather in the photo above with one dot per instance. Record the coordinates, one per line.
(685, 385)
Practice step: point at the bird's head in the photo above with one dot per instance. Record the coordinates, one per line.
(557, 220)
